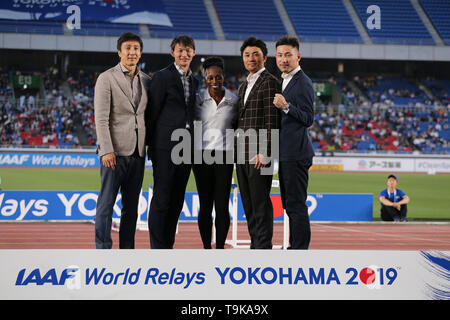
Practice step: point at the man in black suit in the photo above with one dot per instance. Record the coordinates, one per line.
(172, 99)
(296, 151)
(257, 117)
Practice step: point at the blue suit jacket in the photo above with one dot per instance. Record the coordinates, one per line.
(295, 143)
(167, 110)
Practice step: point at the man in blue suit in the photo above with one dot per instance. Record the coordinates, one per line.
(172, 99)
(296, 151)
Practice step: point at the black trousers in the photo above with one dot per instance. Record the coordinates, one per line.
(127, 176)
(293, 185)
(169, 186)
(213, 185)
(392, 214)
(255, 196)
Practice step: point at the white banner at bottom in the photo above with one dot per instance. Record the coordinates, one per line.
(224, 274)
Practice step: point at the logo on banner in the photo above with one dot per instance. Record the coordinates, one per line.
(362, 164)
(278, 211)
(372, 276)
(81, 205)
(70, 277)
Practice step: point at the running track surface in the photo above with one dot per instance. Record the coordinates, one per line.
(324, 236)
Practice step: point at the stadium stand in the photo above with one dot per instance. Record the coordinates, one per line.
(437, 11)
(37, 126)
(396, 91)
(82, 84)
(350, 96)
(367, 112)
(261, 20)
(322, 21)
(198, 25)
(399, 130)
(106, 29)
(386, 124)
(26, 26)
(440, 88)
(401, 23)
(313, 21)
(40, 119)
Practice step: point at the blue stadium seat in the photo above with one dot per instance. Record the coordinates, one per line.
(105, 29)
(188, 17)
(438, 12)
(440, 88)
(31, 26)
(445, 134)
(383, 86)
(322, 21)
(400, 23)
(241, 19)
(363, 145)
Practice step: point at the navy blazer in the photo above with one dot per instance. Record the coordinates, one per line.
(295, 143)
(168, 110)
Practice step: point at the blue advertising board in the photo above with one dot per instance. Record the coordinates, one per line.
(123, 11)
(81, 205)
(52, 160)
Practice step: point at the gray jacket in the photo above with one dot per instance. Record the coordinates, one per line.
(116, 116)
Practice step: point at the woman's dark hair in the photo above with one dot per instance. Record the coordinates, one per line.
(212, 62)
(254, 42)
(128, 36)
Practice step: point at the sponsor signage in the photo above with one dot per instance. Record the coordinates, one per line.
(123, 11)
(363, 164)
(391, 164)
(229, 274)
(52, 160)
(81, 205)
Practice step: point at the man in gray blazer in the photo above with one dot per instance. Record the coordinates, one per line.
(120, 101)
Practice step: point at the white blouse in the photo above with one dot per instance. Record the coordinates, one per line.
(215, 120)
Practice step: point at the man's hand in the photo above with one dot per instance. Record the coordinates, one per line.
(109, 160)
(397, 206)
(259, 158)
(279, 101)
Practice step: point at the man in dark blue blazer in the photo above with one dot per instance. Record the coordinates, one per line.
(296, 104)
(172, 99)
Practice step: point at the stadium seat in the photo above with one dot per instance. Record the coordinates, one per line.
(397, 91)
(106, 29)
(438, 12)
(322, 21)
(30, 26)
(197, 25)
(400, 23)
(241, 19)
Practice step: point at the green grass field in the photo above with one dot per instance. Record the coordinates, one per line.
(430, 194)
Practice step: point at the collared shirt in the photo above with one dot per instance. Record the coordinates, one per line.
(136, 90)
(184, 80)
(287, 77)
(216, 119)
(251, 80)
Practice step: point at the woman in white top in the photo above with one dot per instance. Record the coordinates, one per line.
(216, 108)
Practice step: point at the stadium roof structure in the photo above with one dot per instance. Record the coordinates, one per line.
(332, 29)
